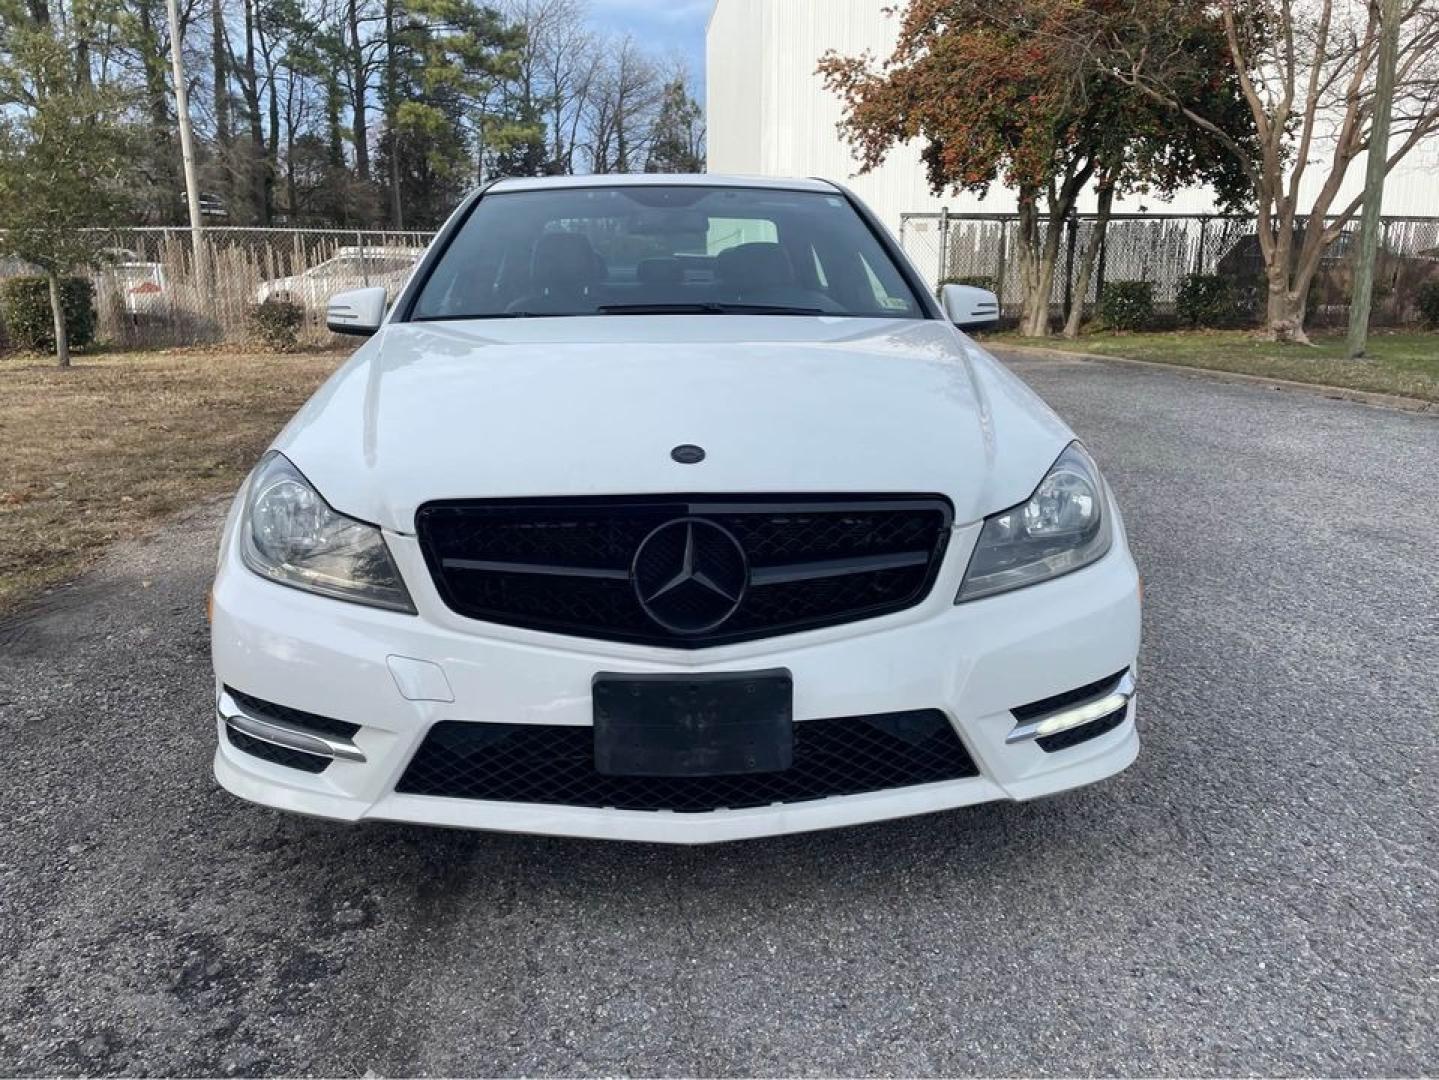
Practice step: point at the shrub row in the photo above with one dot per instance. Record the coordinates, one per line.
(1210, 300)
(29, 324)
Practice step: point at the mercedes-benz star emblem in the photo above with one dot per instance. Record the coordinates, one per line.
(690, 575)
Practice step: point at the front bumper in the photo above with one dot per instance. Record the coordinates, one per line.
(396, 675)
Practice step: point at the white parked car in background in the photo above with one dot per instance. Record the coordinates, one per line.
(141, 284)
(670, 509)
(349, 268)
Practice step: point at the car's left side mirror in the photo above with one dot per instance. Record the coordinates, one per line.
(970, 308)
(356, 311)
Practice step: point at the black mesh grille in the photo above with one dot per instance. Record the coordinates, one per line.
(566, 565)
(1063, 740)
(263, 710)
(548, 764)
(277, 755)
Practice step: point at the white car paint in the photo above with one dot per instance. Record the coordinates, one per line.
(586, 406)
(433, 410)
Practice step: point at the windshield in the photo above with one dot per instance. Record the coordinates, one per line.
(664, 250)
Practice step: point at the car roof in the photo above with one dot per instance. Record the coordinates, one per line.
(605, 180)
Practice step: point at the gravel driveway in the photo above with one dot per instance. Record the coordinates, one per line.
(1258, 894)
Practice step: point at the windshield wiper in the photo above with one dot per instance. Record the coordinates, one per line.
(471, 316)
(705, 309)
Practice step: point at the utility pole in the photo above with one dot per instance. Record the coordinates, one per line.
(187, 147)
(1362, 302)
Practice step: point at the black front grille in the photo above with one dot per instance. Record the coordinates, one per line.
(530, 763)
(568, 566)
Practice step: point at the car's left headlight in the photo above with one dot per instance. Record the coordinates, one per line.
(1061, 527)
(289, 534)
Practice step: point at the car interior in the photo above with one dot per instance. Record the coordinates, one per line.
(797, 253)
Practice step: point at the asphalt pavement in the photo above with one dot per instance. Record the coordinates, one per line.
(1258, 894)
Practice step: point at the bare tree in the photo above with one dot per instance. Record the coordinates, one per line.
(569, 58)
(554, 71)
(1306, 69)
(622, 104)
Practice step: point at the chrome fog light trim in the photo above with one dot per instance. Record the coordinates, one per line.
(1076, 715)
(279, 733)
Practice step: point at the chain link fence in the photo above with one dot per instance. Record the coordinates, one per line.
(148, 291)
(1164, 249)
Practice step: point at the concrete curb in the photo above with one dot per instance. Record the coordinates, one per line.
(1364, 397)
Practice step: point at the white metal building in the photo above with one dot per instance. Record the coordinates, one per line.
(770, 114)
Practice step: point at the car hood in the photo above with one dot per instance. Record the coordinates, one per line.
(594, 405)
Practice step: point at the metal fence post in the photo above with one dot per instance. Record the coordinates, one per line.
(999, 271)
(364, 263)
(943, 244)
(1199, 258)
(1073, 224)
(1099, 269)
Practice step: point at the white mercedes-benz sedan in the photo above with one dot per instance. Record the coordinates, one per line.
(670, 509)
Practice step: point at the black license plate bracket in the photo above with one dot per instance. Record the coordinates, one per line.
(728, 723)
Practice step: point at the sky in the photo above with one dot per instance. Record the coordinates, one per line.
(666, 27)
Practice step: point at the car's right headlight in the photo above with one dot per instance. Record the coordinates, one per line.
(289, 534)
(1061, 527)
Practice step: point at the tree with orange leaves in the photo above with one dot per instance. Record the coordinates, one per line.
(1023, 92)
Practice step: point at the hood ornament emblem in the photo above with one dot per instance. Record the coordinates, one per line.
(690, 575)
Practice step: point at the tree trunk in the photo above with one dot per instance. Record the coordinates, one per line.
(359, 90)
(57, 311)
(1037, 256)
(257, 167)
(165, 160)
(1087, 261)
(220, 73)
(1287, 308)
(335, 141)
(392, 105)
(272, 149)
(1288, 290)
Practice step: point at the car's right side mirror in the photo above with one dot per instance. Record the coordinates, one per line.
(356, 311)
(970, 308)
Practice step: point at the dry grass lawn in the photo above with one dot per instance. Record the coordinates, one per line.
(120, 441)
(1398, 362)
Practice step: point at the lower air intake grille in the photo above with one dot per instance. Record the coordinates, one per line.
(268, 710)
(277, 755)
(1063, 740)
(530, 763)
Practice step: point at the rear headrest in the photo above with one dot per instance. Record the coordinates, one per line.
(565, 258)
(757, 264)
(660, 271)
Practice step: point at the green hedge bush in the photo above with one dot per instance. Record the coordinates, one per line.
(1427, 301)
(1127, 305)
(276, 323)
(29, 324)
(1206, 300)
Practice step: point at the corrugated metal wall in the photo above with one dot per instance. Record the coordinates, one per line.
(769, 114)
